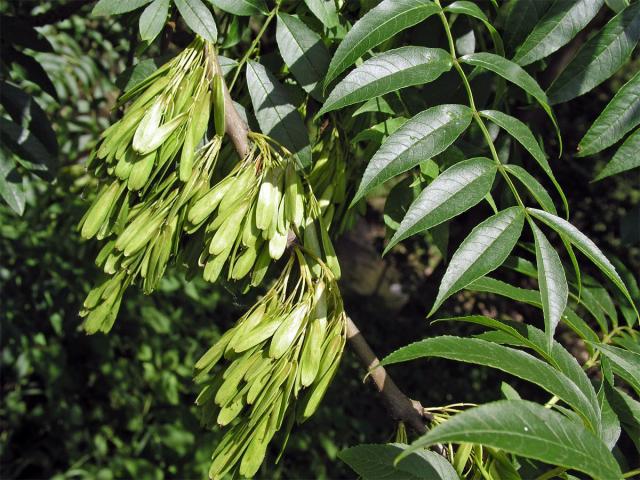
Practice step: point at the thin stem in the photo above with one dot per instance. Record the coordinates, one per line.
(476, 114)
(254, 44)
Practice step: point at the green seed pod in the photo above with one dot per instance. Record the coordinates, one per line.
(148, 126)
(208, 203)
(230, 412)
(141, 171)
(200, 120)
(227, 234)
(257, 335)
(256, 451)
(246, 324)
(325, 199)
(294, 200)
(330, 255)
(214, 354)
(144, 235)
(250, 231)
(99, 211)
(153, 138)
(244, 263)
(287, 332)
(229, 388)
(111, 263)
(312, 397)
(312, 352)
(261, 266)
(267, 200)
(125, 165)
(241, 186)
(187, 154)
(214, 266)
(278, 244)
(218, 105)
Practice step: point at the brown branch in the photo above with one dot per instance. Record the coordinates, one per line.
(400, 407)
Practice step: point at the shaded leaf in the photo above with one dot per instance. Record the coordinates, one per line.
(513, 361)
(423, 136)
(585, 245)
(599, 58)
(116, 7)
(536, 189)
(11, 184)
(325, 11)
(31, 153)
(520, 17)
(625, 364)
(303, 52)
(530, 430)
(521, 132)
(457, 189)
(556, 28)
(515, 74)
(484, 250)
(241, 7)
(388, 72)
(610, 423)
(464, 7)
(199, 18)
(152, 20)
(620, 116)
(552, 282)
(277, 116)
(377, 462)
(627, 410)
(626, 158)
(379, 24)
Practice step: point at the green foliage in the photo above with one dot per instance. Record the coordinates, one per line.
(441, 109)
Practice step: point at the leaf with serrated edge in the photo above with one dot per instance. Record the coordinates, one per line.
(423, 136)
(586, 246)
(388, 72)
(599, 58)
(521, 132)
(484, 250)
(377, 25)
(621, 115)
(556, 28)
(626, 158)
(513, 361)
(456, 190)
(303, 52)
(529, 430)
(552, 281)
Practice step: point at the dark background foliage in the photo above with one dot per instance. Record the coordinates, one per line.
(121, 406)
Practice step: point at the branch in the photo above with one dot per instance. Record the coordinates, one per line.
(400, 407)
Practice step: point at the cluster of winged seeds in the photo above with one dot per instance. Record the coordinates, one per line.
(281, 356)
(164, 199)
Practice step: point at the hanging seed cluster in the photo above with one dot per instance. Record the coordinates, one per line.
(163, 199)
(151, 171)
(280, 358)
(252, 211)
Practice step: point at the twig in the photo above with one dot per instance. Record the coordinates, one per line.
(400, 407)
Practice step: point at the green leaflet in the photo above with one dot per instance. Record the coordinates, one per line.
(241, 7)
(152, 20)
(116, 7)
(538, 192)
(599, 58)
(515, 362)
(454, 191)
(325, 11)
(556, 28)
(586, 246)
(620, 116)
(626, 158)
(371, 461)
(484, 250)
(464, 7)
(303, 52)
(276, 114)
(552, 282)
(625, 363)
(388, 72)
(376, 26)
(530, 430)
(199, 18)
(521, 132)
(423, 136)
(515, 74)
